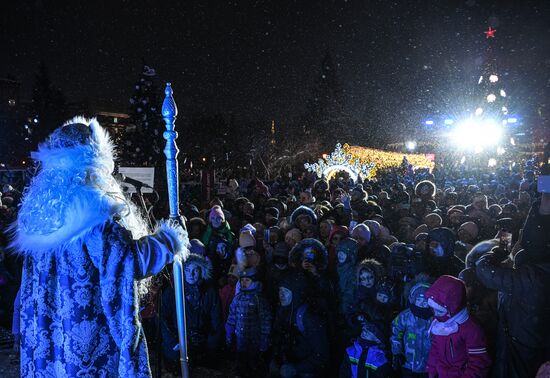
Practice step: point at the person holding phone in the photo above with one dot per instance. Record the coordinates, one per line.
(523, 342)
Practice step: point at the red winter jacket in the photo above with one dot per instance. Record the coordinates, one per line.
(462, 354)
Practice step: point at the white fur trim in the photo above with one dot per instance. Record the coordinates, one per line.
(178, 237)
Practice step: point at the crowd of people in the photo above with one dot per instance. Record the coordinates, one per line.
(414, 274)
(411, 274)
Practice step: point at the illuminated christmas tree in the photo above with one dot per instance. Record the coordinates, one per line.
(142, 141)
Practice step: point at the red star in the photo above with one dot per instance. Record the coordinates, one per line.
(490, 33)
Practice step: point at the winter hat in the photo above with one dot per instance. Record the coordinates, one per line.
(448, 293)
(419, 289)
(320, 185)
(233, 271)
(495, 210)
(274, 212)
(7, 201)
(479, 250)
(445, 237)
(347, 248)
(361, 231)
(433, 220)
(422, 236)
(373, 226)
(338, 230)
(358, 189)
(470, 228)
(293, 235)
(216, 211)
(202, 262)
(196, 247)
(375, 327)
(246, 239)
(386, 287)
(250, 272)
(248, 227)
(422, 229)
(311, 250)
(425, 189)
(303, 211)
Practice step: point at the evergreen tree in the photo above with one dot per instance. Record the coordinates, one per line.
(143, 143)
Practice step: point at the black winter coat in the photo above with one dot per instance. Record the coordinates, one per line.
(524, 314)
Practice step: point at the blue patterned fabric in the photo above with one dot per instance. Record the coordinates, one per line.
(79, 304)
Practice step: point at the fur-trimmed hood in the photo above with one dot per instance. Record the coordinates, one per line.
(73, 191)
(203, 263)
(373, 266)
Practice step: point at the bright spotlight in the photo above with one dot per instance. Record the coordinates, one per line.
(429, 122)
(512, 142)
(492, 162)
(475, 134)
(500, 151)
(449, 122)
(512, 120)
(411, 145)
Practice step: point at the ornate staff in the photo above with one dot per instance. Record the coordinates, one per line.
(169, 113)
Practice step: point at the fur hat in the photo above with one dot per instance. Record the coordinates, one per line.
(303, 211)
(425, 189)
(246, 239)
(445, 237)
(312, 250)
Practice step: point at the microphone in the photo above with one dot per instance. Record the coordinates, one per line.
(135, 183)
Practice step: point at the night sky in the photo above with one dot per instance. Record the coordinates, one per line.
(398, 61)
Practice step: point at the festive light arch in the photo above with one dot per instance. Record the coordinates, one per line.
(332, 170)
(364, 162)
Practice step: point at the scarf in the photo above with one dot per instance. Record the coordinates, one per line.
(449, 326)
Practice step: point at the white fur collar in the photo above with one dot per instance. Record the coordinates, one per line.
(87, 210)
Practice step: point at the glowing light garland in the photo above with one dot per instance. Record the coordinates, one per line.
(364, 162)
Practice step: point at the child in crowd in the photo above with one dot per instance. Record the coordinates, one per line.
(249, 324)
(458, 347)
(410, 338)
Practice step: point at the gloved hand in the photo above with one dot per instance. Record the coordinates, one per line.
(397, 362)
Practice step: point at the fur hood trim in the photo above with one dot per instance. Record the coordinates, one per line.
(372, 265)
(72, 193)
(203, 263)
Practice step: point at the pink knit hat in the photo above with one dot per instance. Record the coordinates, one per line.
(215, 212)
